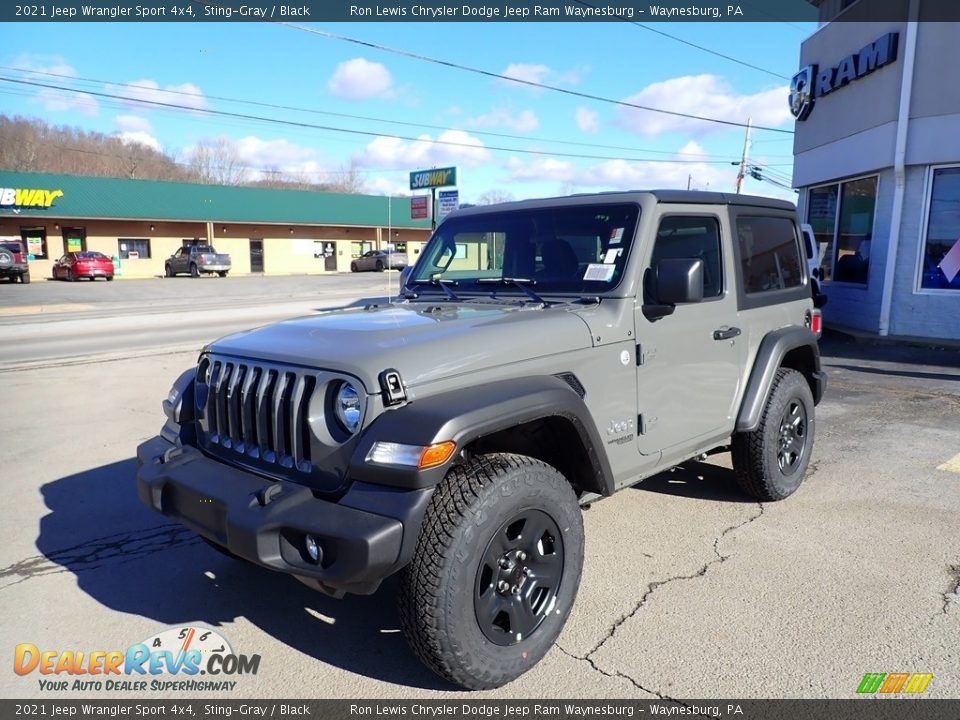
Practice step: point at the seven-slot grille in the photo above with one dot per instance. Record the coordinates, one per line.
(258, 410)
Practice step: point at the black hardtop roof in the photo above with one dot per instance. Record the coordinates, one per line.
(698, 197)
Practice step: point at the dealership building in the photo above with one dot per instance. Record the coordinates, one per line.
(877, 165)
(140, 223)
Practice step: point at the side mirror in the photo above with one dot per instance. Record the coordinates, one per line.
(678, 280)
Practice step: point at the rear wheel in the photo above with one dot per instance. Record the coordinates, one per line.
(194, 271)
(379, 265)
(495, 572)
(222, 273)
(70, 277)
(109, 278)
(25, 278)
(770, 461)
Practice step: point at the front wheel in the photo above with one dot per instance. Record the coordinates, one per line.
(770, 461)
(495, 572)
(167, 271)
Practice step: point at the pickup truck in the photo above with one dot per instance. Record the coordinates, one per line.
(195, 260)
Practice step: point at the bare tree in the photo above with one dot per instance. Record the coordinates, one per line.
(492, 197)
(349, 180)
(217, 161)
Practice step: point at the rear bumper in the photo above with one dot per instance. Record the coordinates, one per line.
(213, 268)
(364, 537)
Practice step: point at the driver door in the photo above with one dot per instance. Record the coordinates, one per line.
(688, 370)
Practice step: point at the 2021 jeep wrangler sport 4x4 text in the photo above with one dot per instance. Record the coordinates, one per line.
(540, 354)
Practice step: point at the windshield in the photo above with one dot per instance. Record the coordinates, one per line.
(581, 249)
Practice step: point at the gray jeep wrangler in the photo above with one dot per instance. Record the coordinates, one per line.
(541, 355)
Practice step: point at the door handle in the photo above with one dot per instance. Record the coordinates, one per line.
(726, 333)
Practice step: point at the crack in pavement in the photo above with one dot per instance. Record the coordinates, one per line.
(951, 596)
(651, 588)
(97, 552)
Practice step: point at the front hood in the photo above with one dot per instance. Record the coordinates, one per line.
(425, 341)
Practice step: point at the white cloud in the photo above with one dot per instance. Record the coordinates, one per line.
(136, 129)
(539, 169)
(146, 91)
(541, 74)
(34, 67)
(524, 122)
(396, 154)
(360, 79)
(381, 185)
(587, 120)
(262, 159)
(703, 95)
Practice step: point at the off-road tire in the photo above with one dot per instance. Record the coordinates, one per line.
(167, 271)
(25, 278)
(438, 588)
(756, 454)
(194, 270)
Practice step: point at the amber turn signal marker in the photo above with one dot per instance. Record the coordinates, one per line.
(434, 455)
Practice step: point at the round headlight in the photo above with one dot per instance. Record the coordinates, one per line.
(347, 406)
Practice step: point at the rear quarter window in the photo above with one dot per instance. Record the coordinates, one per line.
(769, 254)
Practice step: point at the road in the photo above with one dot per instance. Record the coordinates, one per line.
(54, 322)
(690, 589)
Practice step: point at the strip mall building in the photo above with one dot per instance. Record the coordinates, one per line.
(877, 164)
(141, 223)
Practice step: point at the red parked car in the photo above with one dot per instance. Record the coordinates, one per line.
(85, 264)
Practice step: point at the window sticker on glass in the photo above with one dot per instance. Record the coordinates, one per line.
(600, 273)
(616, 235)
(612, 255)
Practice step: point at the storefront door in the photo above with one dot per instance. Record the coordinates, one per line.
(256, 255)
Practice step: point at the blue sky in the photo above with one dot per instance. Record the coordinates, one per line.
(192, 64)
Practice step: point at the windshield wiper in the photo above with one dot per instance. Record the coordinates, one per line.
(521, 283)
(444, 285)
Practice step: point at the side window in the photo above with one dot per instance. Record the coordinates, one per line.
(692, 236)
(769, 254)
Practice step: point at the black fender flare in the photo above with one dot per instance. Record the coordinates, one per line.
(468, 413)
(773, 349)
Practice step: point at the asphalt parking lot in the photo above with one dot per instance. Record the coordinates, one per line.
(690, 589)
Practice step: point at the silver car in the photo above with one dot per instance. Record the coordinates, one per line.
(379, 260)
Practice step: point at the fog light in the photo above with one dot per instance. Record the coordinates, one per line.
(313, 549)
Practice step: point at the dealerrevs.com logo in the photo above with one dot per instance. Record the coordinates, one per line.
(177, 659)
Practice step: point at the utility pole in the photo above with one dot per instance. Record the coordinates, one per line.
(689, 178)
(743, 159)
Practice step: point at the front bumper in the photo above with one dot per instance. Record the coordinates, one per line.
(364, 537)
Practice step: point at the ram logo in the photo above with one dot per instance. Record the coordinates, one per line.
(801, 92)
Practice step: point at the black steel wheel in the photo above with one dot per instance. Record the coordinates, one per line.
(519, 577)
(770, 462)
(495, 571)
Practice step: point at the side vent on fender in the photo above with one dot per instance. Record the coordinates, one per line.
(574, 382)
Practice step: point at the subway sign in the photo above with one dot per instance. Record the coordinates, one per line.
(438, 177)
(812, 83)
(28, 197)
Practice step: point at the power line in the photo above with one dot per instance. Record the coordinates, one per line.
(366, 133)
(530, 83)
(642, 26)
(356, 117)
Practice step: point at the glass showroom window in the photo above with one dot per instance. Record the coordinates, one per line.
(822, 217)
(842, 218)
(940, 262)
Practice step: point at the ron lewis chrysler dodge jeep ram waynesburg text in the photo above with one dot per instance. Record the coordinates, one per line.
(541, 354)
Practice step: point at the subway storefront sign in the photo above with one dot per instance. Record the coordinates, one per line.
(28, 197)
(438, 177)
